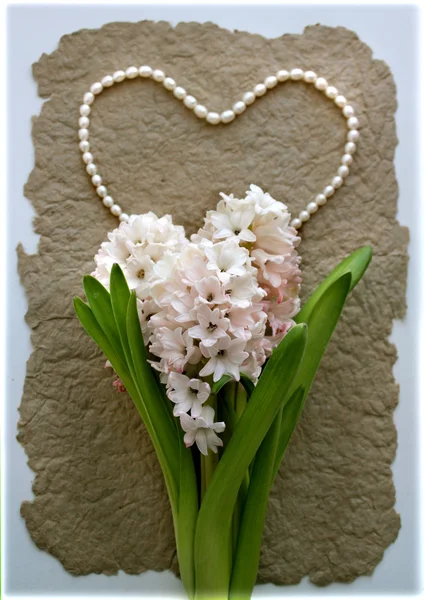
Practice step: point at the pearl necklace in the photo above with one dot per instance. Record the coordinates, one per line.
(213, 118)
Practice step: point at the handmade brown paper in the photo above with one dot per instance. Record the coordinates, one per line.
(99, 501)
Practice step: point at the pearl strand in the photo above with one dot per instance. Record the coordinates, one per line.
(214, 118)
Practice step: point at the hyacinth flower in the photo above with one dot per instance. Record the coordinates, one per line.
(208, 337)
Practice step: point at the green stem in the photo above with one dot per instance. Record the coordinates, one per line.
(209, 462)
(208, 465)
(240, 400)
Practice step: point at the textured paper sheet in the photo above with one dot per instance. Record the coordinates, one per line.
(99, 502)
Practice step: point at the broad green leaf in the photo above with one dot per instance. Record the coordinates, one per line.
(120, 295)
(356, 264)
(164, 434)
(176, 463)
(90, 324)
(292, 411)
(246, 559)
(321, 324)
(92, 327)
(213, 532)
(188, 509)
(321, 315)
(99, 301)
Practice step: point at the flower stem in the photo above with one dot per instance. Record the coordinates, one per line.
(209, 462)
(240, 403)
(208, 465)
(240, 400)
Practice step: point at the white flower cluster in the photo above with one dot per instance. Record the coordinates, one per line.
(217, 304)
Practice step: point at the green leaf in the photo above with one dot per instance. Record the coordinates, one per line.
(213, 532)
(246, 559)
(136, 374)
(321, 313)
(321, 324)
(188, 509)
(163, 432)
(120, 296)
(92, 327)
(90, 324)
(356, 264)
(292, 411)
(99, 300)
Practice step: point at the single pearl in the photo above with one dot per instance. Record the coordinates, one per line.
(331, 92)
(123, 217)
(350, 148)
(85, 110)
(131, 72)
(337, 182)
(283, 75)
(321, 84)
(96, 88)
(227, 116)
(180, 93)
(239, 107)
(270, 82)
(158, 75)
(84, 146)
(84, 122)
(83, 134)
(88, 98)
(145, 71)
(353, 123)
(200, 111)
(312, 208)
(169, 83)
(118, 76)
(346, 159)
(296, 223)
(340, 101)
(213, 118)
(343, 171)
(259, 89)
(353, 135)
(116, 210)
(328, 191)
(108, 201)
(91, 169)
(87, 157)
(321, 200)
(249, 98)
(304, 216)
(296, 74)
(107, 81)
(190, 101)
(102, 191)
(348, 111)
(96, 180)
(310, 76)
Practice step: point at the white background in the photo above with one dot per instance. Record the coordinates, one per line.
(392, 33)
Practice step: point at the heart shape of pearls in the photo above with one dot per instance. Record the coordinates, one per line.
(215, 118)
